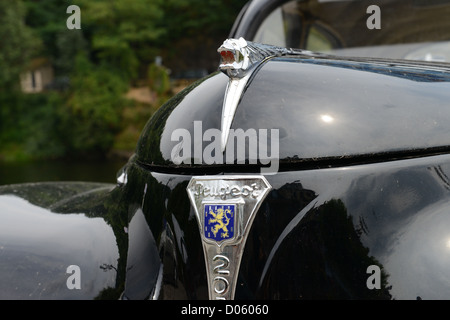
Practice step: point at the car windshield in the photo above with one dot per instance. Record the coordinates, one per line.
(405, 29)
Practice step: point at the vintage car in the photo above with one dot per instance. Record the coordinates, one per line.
(313, 173)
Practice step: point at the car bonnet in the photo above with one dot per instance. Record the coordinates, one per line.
(305, 110)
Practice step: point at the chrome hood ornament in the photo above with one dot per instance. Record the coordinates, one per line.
(239, 59)
(225, 207)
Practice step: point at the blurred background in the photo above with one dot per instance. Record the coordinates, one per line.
(74, 101)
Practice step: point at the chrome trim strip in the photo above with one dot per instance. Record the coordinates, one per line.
(240, 59)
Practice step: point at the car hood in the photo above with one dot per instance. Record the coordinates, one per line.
(324, 110)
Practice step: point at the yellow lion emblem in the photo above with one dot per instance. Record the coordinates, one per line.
(220, 219)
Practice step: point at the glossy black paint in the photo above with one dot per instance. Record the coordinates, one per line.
(318, 232)
(322, 227)
(40, 238)
(314, 237)
(349, 195)
(326, 109)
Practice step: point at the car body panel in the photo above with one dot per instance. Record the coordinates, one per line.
(323, 227)
(40, 239)
(357, 210)
(325, 108)
(317, 234)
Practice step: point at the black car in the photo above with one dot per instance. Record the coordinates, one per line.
(314, 164)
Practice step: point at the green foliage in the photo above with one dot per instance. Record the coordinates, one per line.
(60, 45)
(42, 139)
(91, 116)
(186, 18)
(113, 51)
(68, 44)
(31, 127)
(17, 43)
(195, 29)
(158, 79)
(122, 32)
(47, 19)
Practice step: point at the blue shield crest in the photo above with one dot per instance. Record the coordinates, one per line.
(219, 221)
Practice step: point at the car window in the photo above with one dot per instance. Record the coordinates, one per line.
(405, 29)
(272, 30)
(317, 39)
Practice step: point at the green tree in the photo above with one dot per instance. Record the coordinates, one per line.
(91, 115)
(17, 43)
(122, 33)
(114, 49)
(194, 30)
(60, 45)
(190, 18)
